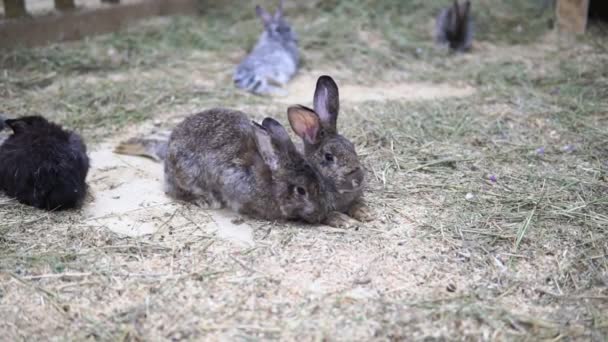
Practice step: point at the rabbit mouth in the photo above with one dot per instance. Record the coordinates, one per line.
(348, 187)
(352, 183)
(347, 191)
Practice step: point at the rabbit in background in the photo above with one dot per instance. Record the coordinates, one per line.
(274, 59)
(454, 27)
(43, 165)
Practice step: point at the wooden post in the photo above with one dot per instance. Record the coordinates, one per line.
(15, 8)
(572, 15)
(64, 5)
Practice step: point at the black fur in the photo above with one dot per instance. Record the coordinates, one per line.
(43, 165)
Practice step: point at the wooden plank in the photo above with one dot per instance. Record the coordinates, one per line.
(14, 8)
(64, 5)
(572, 15)
(80, 23)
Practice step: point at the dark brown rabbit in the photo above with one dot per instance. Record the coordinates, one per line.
(454, 27)
(329, 152)
(220, 158)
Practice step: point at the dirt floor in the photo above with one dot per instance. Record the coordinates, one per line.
(486, 174)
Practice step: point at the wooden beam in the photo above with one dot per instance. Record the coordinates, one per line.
(84, 22)
(15, 8)
(64, 5)
(572, 15)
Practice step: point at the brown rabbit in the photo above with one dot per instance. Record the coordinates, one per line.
(328, 151)
(220, 158)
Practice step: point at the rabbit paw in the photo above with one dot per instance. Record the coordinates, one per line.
(337, 219)
(361, 212)
(208, 203)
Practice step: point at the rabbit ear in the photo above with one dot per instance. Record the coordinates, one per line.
(276, 131)
(17, 125)
(461, 10)
(265, 16)
(279, 13)
(265, 147)
(467, 9)
(305, 123)
(327, 101)
(454, 17)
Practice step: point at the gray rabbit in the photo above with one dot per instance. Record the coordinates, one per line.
(274, 59)
(330, 152)
(220, 158)
(454, 27)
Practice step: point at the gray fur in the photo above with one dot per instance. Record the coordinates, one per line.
(454, 27)
(274, 59)
(220, 158)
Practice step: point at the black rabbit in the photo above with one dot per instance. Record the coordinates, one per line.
(43, 165)
(454, 27)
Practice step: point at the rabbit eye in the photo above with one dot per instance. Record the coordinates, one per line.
(300, 190)
(329, 157)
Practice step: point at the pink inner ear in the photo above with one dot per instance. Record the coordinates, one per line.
(321, 104)
(311, 135)
(304, 123)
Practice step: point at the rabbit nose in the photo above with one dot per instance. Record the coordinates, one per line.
(355, 178)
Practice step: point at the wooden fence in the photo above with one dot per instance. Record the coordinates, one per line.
(572, 14)
(71, 23)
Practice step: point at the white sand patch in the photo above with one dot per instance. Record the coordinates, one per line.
(128, 192)
(230, 227)
(129, 199)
